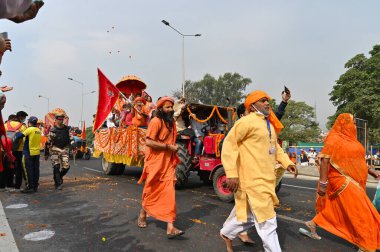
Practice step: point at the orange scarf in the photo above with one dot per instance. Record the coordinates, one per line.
(344, 150)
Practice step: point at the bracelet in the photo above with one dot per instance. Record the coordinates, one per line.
(323, 183)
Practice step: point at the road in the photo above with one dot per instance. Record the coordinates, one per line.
(96, 212)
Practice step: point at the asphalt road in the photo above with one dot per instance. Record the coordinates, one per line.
(96, 212)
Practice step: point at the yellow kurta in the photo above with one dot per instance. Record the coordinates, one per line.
(245, 155)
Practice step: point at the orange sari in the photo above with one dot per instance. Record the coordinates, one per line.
(346, 210)
(158, 197)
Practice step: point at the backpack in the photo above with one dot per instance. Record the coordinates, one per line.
(11, 134)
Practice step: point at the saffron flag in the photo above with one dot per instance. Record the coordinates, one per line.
(83, 134)
(108, 94)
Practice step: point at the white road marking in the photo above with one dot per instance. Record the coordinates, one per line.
(17, 206)
(307, 188)
(87, 168)
(290, 219)
(7, 241)
(40, 235)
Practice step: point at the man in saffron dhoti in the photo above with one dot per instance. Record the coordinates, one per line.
(158, 198)
(249, 156)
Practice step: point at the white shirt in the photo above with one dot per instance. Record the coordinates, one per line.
(110, 122)
(312, 156)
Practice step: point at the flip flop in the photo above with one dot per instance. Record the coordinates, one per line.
(309, 234)
(175, 234)
(140, 223)
(247, 242)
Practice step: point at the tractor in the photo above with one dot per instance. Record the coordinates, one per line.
(208, 165)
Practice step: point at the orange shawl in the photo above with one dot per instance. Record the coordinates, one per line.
(346, 153)
(346, 210)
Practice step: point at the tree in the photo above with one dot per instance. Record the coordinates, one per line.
(216, 91)
(299, 124)
(357, 91)
(89, 137)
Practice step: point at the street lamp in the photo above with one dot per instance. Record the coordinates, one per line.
(89, 92)
(183, 51)
(30, 109)
(81, 111)
(40, 96)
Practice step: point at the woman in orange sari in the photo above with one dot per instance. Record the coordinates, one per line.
(343, 207)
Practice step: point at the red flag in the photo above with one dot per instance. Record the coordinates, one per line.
(108, 94)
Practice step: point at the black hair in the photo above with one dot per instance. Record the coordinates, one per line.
(166, 117)
(21, 114)
(240, 110)
(11, 117)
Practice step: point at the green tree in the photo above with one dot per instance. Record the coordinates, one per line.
(299, 124)
(214, 91)
(89, 137)
(357, 91)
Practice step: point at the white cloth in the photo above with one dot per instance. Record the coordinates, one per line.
(312, 157)
(266, 230)
(110, 123)
(12, 8)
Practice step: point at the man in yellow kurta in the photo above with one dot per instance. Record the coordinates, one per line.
(249, 156)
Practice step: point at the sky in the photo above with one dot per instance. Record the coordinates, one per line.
(301, 44)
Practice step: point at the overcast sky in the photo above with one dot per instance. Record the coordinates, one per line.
(302, 44)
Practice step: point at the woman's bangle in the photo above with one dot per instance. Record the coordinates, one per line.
(323, 183)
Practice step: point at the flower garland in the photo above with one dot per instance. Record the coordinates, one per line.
(209, 117)
(218, 138)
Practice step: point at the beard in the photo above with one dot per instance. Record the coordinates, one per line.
(265, 112)
(166, 117)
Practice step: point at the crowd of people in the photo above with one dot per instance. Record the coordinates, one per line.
(251, 176)
(134, 110)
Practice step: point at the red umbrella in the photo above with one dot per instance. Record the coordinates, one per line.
(131, 84)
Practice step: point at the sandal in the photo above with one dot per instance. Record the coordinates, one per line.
(312, 235)
(175, 234)
(247, 241)
(141, 223)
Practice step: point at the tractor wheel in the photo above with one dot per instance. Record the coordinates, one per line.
(110, 168)
(79, 155)
(182, 171)
(223, 193)
(278, 187)
(87, 156)
(121, 168)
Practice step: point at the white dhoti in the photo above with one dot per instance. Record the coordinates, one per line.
(266, 230)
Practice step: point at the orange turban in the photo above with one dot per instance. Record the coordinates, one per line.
(140, 99)
(164, 99)
(254, 97)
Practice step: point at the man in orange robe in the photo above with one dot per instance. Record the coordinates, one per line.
(158, 198)
(343, 207)
(140, 113)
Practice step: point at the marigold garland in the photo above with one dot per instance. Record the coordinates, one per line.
(218, 139)
(209, 117)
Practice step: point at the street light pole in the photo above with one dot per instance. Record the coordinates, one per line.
(40, 96)
(81, 111)
(183, 51)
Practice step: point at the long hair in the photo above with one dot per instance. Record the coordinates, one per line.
(166, 117)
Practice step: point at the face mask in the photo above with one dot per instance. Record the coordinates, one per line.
(258, 111)
(23, 120)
